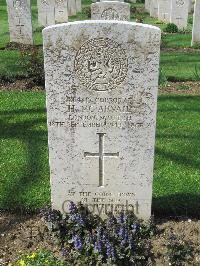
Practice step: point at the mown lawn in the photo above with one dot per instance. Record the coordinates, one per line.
(24, 153)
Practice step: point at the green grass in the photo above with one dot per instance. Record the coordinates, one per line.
(24, 153)
(179, 65)
(24, 157)
(177, 40)
(10, 65)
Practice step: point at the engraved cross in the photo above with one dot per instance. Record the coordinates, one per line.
(20, 25)
(101, 155)
(179, 19)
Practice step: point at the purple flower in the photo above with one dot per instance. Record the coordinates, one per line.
(99, 232)
(64, 252)
(77, 243)
(98, 246)
(110, 251)
(77, 218)
(122, 218)
(123, 233)
(72, 207)
(135, 227)
(111, 221)
(88, 240)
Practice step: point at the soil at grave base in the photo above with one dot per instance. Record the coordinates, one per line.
(188, 87)
(22, 234)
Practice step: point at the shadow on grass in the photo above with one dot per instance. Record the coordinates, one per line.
(177, 205)
(16, 193)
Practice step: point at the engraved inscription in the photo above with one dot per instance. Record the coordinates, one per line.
(101, 154)
(101, 64)
(110, 14)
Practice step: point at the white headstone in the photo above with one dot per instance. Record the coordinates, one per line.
(147, 5)
(101, 89)
(61, 13)
(78, 6)
(179, 13)
(164, 10)
(190, 5)
(196, 23)
(71, 7)
(20, 24)
(46, 12)
(154, 8)
(110, 11)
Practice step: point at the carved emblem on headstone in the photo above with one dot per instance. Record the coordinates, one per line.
(18, 4)
(180, 2)
(101, 64)
(110, 13)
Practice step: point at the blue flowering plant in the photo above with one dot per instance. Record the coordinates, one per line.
(86, 239)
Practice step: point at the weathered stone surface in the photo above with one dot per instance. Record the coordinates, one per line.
(78, 6)
(196, 23)
(46, 12)
(154, 8)
(179, 13)
(110, 11)
(20, 24)
(61, 13)
(101, 89)
(164, 10)
(71, 7)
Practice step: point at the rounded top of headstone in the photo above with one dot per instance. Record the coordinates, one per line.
(100, 22)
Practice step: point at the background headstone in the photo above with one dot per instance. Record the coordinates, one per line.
(61, 13)
(20, 23)
(101, 89)
(78, 6)
(190, 5)
(196, 23)
(110, 11)
(164, 10)
(179, 13)
(71, 5)
(154, 8)
(46, 12)
(147, 5)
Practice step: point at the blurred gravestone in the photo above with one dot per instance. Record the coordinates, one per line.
(46, 12)
(78, 6)
(147, 5)
(101, 89)
(196, 24)
(61, 13)
(71, 5)
(154, 8)
(110, 11)
(179, 13)
(20, 24)
(164, 10)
